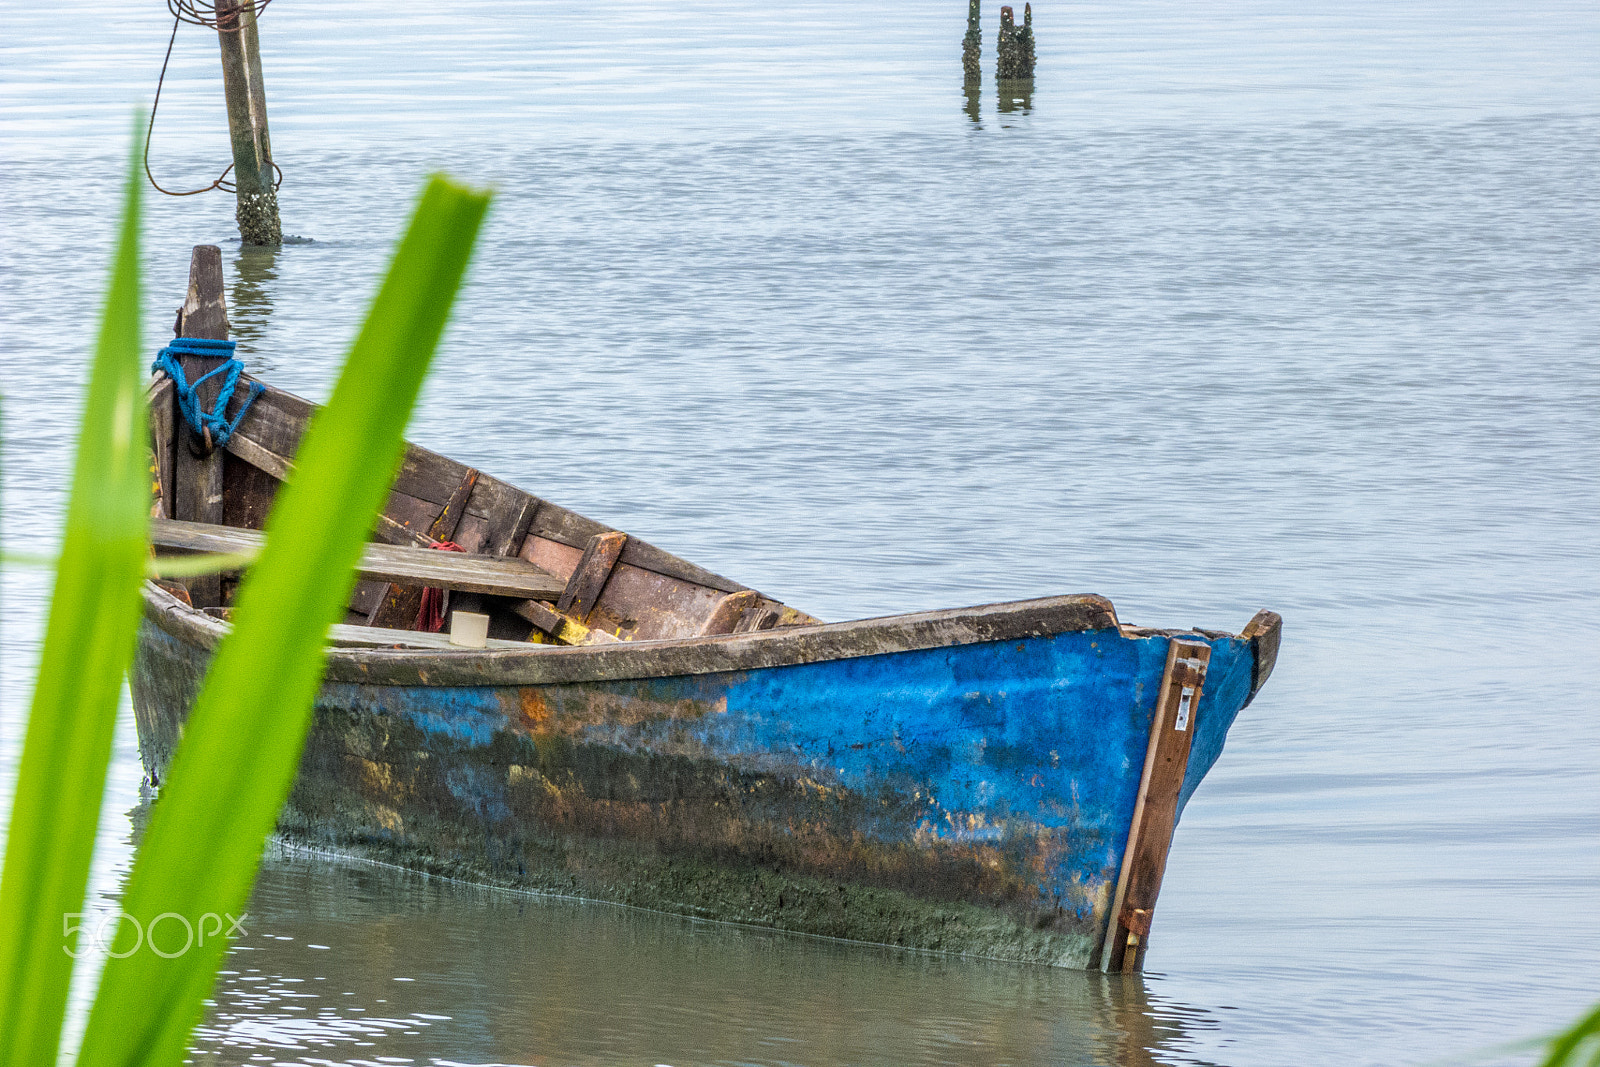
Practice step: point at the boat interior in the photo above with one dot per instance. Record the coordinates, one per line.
(450, 538)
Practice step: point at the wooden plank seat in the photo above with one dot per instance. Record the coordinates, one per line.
(344, 635)
(507, 576)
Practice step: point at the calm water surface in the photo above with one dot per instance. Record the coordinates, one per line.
(1283, 305)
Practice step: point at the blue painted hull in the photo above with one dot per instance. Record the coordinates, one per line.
(972, 798)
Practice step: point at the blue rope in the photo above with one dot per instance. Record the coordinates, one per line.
(216, 419)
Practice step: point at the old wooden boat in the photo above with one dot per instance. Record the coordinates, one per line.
(1001, 780)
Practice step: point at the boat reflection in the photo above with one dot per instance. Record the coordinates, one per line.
(348, 961)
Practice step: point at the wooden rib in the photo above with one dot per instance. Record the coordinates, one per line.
(763, 614)
(395, 563)
(589, 580)
(197, 486)
(1155, 812)
(397, 608)
(561, 629)
(728, 612)
(393, 533)
(508, 527)
(161, 405)
(570, 528)
(278, 419)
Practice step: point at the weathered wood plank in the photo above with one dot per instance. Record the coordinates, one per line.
(365, 599)
(1155, 813)
(276, 422)
(197, 485)
(343, 635)
(507, 525)
(559, 559)
(397, 608)
(394, 563)
(259, 456)
(392, 533)
(569, 528)
(251, 492)
(428, 476)
(643, 605)
(411, 514)
(585, 585)
(761, 615)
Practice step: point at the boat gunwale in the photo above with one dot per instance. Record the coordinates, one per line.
(674, 657)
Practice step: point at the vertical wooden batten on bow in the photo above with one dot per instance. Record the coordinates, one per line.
(1155, 812)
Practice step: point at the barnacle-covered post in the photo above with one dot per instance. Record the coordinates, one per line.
(253, 173)
(1007, 49)
(971, 47)
(1025, 37)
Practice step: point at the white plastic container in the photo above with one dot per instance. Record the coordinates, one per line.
(469, 629)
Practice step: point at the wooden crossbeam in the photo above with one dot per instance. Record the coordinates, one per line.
(1155, 813)
(465, 572)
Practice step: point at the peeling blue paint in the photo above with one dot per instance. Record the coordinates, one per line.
(1022, 758)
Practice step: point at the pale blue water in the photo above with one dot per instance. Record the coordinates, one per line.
(758, 289)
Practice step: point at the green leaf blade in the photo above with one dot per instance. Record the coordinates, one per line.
(242, 744)
(89, 642)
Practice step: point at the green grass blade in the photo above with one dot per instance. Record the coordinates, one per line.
(166, 567)
(1569, 1048)
(88, 644)
(241, 748)
(203, 563)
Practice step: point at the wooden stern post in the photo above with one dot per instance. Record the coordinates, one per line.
(196, 468)
(1155, 813)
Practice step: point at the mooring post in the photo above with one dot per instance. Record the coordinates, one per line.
(1025, 38)
(1007, 49)
(196, 467)
(971, 48)
(253, 173)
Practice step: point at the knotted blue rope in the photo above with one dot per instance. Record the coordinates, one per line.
(215, 421)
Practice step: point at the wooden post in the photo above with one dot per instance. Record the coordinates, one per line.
(1155, 813)
(971, 48)
(1013, 48)
(1025, 39)
(197, 467)
(253, 173)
